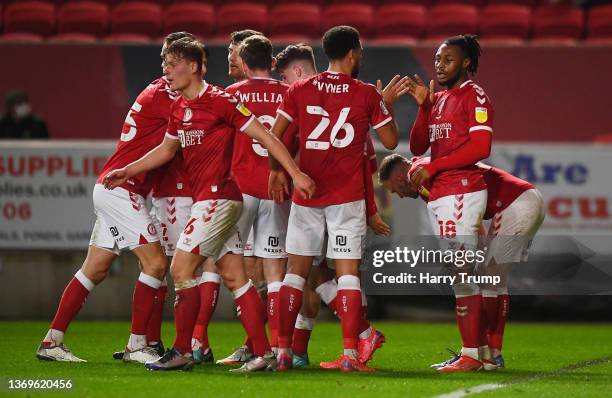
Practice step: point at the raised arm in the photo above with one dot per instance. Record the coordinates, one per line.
(155, 158)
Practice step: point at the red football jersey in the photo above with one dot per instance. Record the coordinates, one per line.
(502, 187)
(205, 126)
(171, 179)
(454, 115)
(333, 113)
(250, 165)
(143, 129)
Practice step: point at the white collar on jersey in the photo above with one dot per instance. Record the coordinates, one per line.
(261, 78)
(465, 83)
(203, 88)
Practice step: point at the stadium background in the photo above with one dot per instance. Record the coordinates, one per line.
(547, 87)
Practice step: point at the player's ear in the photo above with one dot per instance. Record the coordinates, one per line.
(273, 64)
(466, 62)
(297, 69)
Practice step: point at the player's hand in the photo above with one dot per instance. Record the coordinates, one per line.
(115, 178)
(420, 91)
(304, 185)
(394, 89)
(278, 186)
(420, 176)
(378, 225)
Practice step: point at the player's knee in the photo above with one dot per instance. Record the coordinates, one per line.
(156, 267)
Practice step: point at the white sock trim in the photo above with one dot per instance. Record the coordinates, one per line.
(327, 291)
(502, 291)
(85, 281)
(274, 287)
(349, 282)
(149, 280)
(210, 277)
(185, 285)
(304, 323)
(242, 290)
(489, 293)
(295, 281)
(466, 289)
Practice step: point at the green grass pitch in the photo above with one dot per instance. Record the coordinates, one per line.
(544, 360)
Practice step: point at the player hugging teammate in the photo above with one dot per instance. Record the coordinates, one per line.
(220, 167)
(460, 192)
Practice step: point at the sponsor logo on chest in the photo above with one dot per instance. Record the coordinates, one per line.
(439, 131)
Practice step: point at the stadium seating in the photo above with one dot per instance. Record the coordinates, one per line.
(451, 19)
(231, 17)
(599, 23)
(83, 17)
(127, 38)
(557, 25)
(505, 22)
(20, 38)
(137, 17)
(295, 19)
(358, 15)
(379, 21)
(193, 17)
(36, 17)
(73, 38)
(399, 22)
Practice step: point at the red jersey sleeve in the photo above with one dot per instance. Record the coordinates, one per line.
(288, 108)
(419, 134)
(479, 110)
(234, 112)
(379, 114)
(173, 122)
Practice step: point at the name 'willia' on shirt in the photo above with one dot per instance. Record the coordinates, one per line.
(260, 97)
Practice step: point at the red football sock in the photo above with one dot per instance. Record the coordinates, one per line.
(72, 300)
(489, 314)
(363, 322)
(251, 312)
(301, 337)
(351, 316)
(155, 321)
(209, 296)
(272, 307)
(143, 301)
(290, 302)
(503, 309)
(468, 310)
(186, 307)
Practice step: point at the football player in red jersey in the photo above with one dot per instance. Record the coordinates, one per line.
(457, 124)
(122, 222)
(516, 210)
(296, 62)
(261, 216)
(333, 112)
(210, 281)
(202, 123)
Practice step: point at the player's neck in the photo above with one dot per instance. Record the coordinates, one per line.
(193, 90)
(462, 79)
(339, 67)
(259, 74)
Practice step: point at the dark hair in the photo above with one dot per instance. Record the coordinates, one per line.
(295, 52)
(388, 164)
(469, 46)
(339, 40)
(238, 36)
(185, 48)
(256, 52)
(174, 36)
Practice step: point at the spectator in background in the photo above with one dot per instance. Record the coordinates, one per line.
(18, 121)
